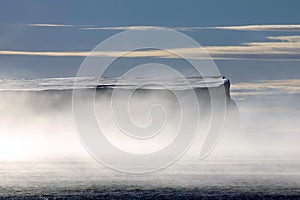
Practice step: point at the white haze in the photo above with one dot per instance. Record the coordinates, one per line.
(40, 124)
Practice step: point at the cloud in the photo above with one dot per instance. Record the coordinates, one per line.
(288, 47)
(265, 27)
(51, 25)
(117, 28)
(278, 27)
(289, 38)
(254, 50)
(279, 48)
(290, 27)
(150, 53)
(268, 87)
(271, 109)
(261, 48)
(94, 27)
(46, 25)
(44, 53)
(126, 28)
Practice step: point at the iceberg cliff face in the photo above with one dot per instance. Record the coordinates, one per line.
(125, 83)
(63, 86)
(48, 99)
(60, 89)
(199, 84)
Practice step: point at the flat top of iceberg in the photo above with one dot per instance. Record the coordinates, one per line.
(69, 83)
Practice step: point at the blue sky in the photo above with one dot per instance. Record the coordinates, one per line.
(249, 40)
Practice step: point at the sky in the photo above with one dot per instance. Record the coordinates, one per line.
(248, 40)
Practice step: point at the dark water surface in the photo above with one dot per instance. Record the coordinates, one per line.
(213, 178)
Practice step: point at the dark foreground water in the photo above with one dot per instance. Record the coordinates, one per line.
(214, 178)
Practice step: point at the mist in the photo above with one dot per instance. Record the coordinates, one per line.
(37, 124)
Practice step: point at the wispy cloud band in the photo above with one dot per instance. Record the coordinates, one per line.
(279, 48)
(274, 27)
(51, 25)
(266, 27)
(288, 38)
(253, 50)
